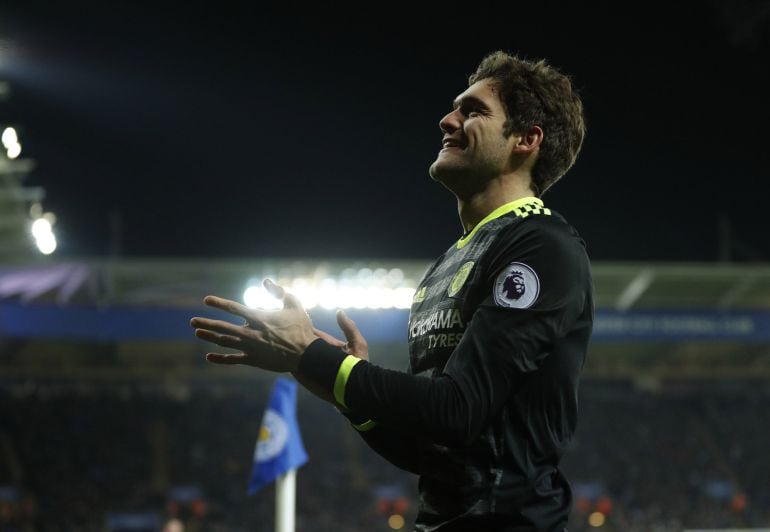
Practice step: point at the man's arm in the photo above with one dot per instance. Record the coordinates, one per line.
(499, 345)
(450, 409)
(399, 447)
(396, 446)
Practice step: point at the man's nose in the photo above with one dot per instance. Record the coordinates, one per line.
(450, 123)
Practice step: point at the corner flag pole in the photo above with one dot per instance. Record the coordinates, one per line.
(285, 492)
(279, 452)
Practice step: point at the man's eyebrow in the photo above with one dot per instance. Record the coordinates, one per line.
(469, 100)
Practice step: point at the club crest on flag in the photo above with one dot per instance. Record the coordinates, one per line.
(273, 436)
(279, 445)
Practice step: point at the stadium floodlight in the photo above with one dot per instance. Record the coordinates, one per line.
(257, 297)
(327, 294)
(365, 275)
(13, 151)
(396, 275)
(306, 292)
(41, 227)
(42, 230)
(362, 290)
(9, 137)
(46, 243)
(403, 297)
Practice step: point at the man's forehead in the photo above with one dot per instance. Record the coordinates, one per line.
(484, 90)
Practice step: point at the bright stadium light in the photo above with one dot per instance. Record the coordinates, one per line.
(396, 275)
(365, 275)
(46, 243)
(327, 294)
(353, 289)
(9, 137)
(41, 227)
(403, 297)
(258, 297)
(306, 292)
(42, 231)
(13, 151)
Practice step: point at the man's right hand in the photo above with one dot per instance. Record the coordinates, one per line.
(356, 343)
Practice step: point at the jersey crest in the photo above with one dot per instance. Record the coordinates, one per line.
(419, 296)
(459, 279)
(517, 286)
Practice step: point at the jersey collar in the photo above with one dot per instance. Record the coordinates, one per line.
(498, 212)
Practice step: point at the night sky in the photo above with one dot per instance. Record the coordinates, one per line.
(210, 129)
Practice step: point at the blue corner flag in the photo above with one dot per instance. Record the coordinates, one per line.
(279, 446)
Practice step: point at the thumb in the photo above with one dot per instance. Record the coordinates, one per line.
(349, 328)
(273, 289)
(279, 292)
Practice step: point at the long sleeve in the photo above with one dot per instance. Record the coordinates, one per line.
(503, 341)
(397, 446)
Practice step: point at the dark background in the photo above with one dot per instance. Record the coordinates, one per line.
(205, 129)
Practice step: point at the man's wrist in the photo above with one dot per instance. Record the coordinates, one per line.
(321, 362)
(329, 367)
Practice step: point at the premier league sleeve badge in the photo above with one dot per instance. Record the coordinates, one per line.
(516, 286)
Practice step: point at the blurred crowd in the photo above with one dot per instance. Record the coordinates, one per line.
(647, 457)
(672, 457)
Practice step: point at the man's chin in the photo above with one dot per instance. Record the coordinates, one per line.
(445, 173)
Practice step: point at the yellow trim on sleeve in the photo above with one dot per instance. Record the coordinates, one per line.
(341, 381)
(516, 205)
(366, 425)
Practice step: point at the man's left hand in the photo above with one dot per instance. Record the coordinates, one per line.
(269, 339)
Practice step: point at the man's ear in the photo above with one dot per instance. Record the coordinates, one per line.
(529, 141)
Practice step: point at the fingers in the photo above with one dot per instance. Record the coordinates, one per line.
(233, 307)
(227, 359)
(223, 340)
(217, 326)
(227, 305)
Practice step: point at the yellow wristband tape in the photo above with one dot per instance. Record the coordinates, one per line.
(366, 425)
(342, 378)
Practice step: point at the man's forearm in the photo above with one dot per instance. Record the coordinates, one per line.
(390, 445)
(435, 409)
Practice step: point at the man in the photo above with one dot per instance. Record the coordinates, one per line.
(498, 328)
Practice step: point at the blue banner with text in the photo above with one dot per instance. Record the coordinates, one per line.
(173, 324)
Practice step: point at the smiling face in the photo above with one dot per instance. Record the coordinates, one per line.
(474, 148)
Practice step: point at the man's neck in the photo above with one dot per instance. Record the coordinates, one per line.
(477, 206)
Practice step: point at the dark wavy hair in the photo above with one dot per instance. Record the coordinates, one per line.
(535, 93)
